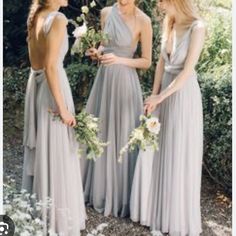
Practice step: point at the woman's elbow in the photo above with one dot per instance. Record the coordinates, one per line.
(147, 64)
(50, 67)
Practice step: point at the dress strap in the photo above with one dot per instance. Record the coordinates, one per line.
(49, 20)
(195, 23)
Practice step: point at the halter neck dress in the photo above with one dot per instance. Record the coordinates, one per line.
(51, 165)
(116, 98)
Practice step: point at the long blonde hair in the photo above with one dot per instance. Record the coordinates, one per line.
(183, 7)
(35, 8)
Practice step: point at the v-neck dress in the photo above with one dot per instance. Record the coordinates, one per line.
(166, 193)
(116, 98)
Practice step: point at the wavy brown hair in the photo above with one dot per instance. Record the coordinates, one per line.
(35, 8)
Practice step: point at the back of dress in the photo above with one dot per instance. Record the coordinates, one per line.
(51, 163)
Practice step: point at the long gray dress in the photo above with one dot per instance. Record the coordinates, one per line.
(172, 189)
(51, 164)
(116, 99)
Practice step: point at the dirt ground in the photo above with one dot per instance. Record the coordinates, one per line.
(216, 205)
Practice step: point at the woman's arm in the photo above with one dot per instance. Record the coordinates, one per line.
(54, 40)
(195, 48)
(158, 76)
(144, 62)
(157, 82)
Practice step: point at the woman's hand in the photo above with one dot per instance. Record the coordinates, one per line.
(93, 53)
(151, 103)
(109, 59)
(68, 118)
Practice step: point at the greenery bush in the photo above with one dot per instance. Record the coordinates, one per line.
(217, 104)
(215, 69)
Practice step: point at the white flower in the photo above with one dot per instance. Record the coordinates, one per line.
(52, 233)
(39, 233)
(92, 125)
(138, 134)
(92, 4)
(33, 196)
(23, 204)
(15, 217)
(94, 232)
(80, 31)
(156, 233)
(7, 207)
(153, 125)
(23, 191)
(38, 221)
(85, 9)
(38, 208)
(25, 233)
(30, 228)
(102, 226)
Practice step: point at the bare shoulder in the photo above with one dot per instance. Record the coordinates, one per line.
(61, 18)
(59, 21)
(199, 26)
(198, 32)
(105, 11)
(143, 19)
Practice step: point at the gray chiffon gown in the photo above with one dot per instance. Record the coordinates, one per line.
(116, 99)
(166, 193)
(51, 165)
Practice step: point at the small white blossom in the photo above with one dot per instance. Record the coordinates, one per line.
(25, 233)
(7, 207)
(80, 31)
(39, 233)
(38, 221)
(23, 204)
(94, 232)
(92, 4)
(85, 9)
(138, 134)
(101, 227)
(92, 125)
(52, 233)
(156, 233)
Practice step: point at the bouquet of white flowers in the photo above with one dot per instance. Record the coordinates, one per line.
(86, 37)
(86, 131)
(144, 136)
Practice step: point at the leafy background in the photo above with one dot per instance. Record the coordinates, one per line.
(214, 71)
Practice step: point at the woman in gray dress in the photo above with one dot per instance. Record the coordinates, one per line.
(172, 197)
(51, 165)
(116, 99)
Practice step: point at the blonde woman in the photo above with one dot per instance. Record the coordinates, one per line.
(51, 164)
(171, 200)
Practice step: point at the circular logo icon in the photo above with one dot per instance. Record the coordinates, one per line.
(7, 226)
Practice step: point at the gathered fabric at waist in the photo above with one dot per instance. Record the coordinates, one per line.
(173, 69)
(176, 69)
(37, 79)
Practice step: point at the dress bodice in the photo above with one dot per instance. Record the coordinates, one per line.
(120, 35)
(174, 62)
